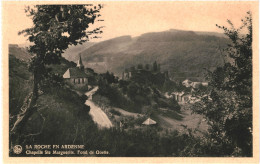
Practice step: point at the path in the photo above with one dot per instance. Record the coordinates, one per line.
(97, 114)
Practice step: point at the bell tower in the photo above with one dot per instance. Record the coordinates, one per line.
(80, 64)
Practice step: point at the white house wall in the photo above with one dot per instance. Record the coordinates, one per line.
(66, 75)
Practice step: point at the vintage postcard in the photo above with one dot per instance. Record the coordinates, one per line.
(130, 81)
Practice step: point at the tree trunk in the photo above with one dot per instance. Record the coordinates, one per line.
(28, 108)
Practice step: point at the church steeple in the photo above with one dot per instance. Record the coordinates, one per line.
(79, 64)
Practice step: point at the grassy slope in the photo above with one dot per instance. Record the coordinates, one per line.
(20, 79)
(63, 110)
(20, 82)
(61, 116)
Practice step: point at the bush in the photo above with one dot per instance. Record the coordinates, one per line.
(113, 111)
(101, 101)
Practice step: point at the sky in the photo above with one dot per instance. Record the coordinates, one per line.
(136, 18)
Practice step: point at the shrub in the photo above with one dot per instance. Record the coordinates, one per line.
(113, 111)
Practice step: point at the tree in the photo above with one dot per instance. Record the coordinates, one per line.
(155, 67)
(55, 27)
(228, 107)
(109, 77)
(132, 90)
(159, 67)
(132, 68)
(147, 66)
(140, 66)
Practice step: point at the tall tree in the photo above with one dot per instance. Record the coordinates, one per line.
(132, 68)
(159, 67)
(147, 66)
(228, 108)
(140, 66)
(155, 66)
(55, 27)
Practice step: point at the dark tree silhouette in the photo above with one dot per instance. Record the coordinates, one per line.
(55, 27)
(147, 66)
(155, 66)
(229, 105)
(140, 66)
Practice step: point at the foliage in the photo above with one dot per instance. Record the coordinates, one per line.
(155, 66)
(101, 101)
(144, 142)
(109, 77)
(228, 106)
(151, 77)
(140, 66)
(136, 93)
(115, 97)
(67, 122)
(113, 111)
(20, 82)
(55, 28)
(60, 118)
(147, 66)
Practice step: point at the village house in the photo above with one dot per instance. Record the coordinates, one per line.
(181, 97)
(76, 75)
(188, 83)
(126, 75)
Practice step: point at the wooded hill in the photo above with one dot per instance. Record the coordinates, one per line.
(183, 53)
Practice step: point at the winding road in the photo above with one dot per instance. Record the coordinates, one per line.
(97, 114)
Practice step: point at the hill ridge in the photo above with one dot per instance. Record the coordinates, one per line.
(183, 53)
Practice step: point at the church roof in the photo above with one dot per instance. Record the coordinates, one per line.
(74, 73)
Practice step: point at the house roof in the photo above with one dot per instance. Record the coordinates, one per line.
(149, 122)
(186, 95)
(187, 81)
(75, 73)
(196, 84)
(178, 93)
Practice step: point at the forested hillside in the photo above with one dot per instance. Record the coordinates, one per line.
(183, 53)
(70, 53)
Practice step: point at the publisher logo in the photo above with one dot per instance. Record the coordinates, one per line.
(17, 149)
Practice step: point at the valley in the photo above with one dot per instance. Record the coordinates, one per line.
(112, 114)
(150, 86)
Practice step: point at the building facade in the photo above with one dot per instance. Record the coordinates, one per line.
(76, 75)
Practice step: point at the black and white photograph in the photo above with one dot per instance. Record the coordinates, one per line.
(131, 79)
